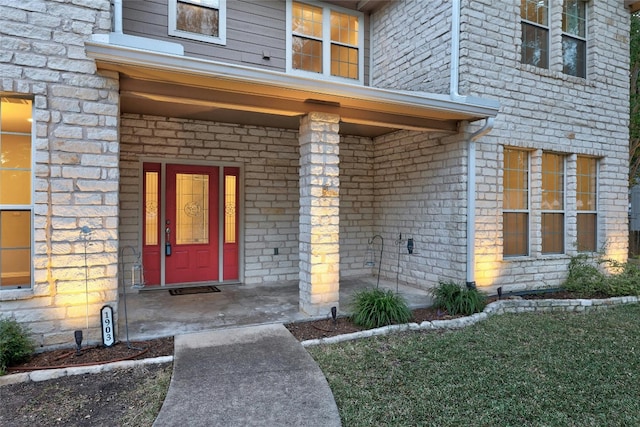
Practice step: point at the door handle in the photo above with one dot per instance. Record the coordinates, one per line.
(167, 242)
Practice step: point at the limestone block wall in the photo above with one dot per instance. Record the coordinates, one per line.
(356, 204)
(269, 161)
(75, 165)
(420, 193)
(546, 110)
(410, 45)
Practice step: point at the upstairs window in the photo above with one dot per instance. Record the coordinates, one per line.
(325, 41)
(15, 193)
(535, 32)
(203, 20)
(542, 36)
(574, 33)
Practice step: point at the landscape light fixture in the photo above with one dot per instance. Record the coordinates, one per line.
(78, 337)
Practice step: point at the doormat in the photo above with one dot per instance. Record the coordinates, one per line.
(196, 290)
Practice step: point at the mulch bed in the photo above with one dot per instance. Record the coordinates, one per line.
(164, 346)
(92, 355)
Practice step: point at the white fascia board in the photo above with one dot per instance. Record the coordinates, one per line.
(124, 55)
(142, 43)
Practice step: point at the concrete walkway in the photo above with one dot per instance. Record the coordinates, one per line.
(246, 376)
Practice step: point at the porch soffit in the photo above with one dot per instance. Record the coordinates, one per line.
(177, 86)
(633, 5)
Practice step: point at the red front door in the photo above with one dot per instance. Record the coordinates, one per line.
(191, 224)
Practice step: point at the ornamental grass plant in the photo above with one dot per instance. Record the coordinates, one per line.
(374, 308)
(456, 299)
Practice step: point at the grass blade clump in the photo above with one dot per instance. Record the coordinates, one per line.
(455, 299)
(376, 307)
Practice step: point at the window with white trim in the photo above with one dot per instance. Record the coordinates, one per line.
(515, 203)
(203, 20)
(553, 203)
(541, 35)
(16, 205)
(534, 16)
(587, 203)
(574, 38)
(325, 41)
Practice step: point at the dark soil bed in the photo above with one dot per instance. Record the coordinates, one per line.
(92, 355)
(164, 346)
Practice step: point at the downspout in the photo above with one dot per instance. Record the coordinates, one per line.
(471, 199)
(117, 16)
(471, 143)
(455, 51)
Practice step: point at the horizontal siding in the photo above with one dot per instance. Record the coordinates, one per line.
(253, 27)
(248, 33)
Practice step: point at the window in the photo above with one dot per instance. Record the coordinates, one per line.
(540, 34)
(553, 171)
(516, 203)
(15, 193)
(586, 203)
(325, 40)
(535, 32)
(574, 32)
(203, 20)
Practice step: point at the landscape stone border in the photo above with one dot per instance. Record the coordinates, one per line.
(492, 309)
(51, 374)
(508, 305)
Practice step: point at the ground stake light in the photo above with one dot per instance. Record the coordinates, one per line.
(78, 337)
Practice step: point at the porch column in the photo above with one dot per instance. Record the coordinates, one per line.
(319, 213)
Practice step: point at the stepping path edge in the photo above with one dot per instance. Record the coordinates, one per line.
(495, 308)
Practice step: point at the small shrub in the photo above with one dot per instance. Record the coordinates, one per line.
(375, 308)
(624, 280)
(585, 278)
(456, 299)
(15, 343)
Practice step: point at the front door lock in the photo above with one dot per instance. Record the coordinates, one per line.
(167, 241)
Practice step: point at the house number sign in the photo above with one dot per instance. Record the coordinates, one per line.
(108, 333)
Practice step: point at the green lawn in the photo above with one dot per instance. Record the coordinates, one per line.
(552, 369)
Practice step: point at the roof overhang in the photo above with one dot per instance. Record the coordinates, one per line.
(178, 86)
(632, 5)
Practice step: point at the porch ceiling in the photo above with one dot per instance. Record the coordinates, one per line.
(178, 86)
(633, 5)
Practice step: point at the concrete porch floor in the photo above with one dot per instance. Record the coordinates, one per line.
(156, 313)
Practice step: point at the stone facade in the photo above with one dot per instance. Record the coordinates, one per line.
(404, 185)
(541, 110)
(75, 156)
